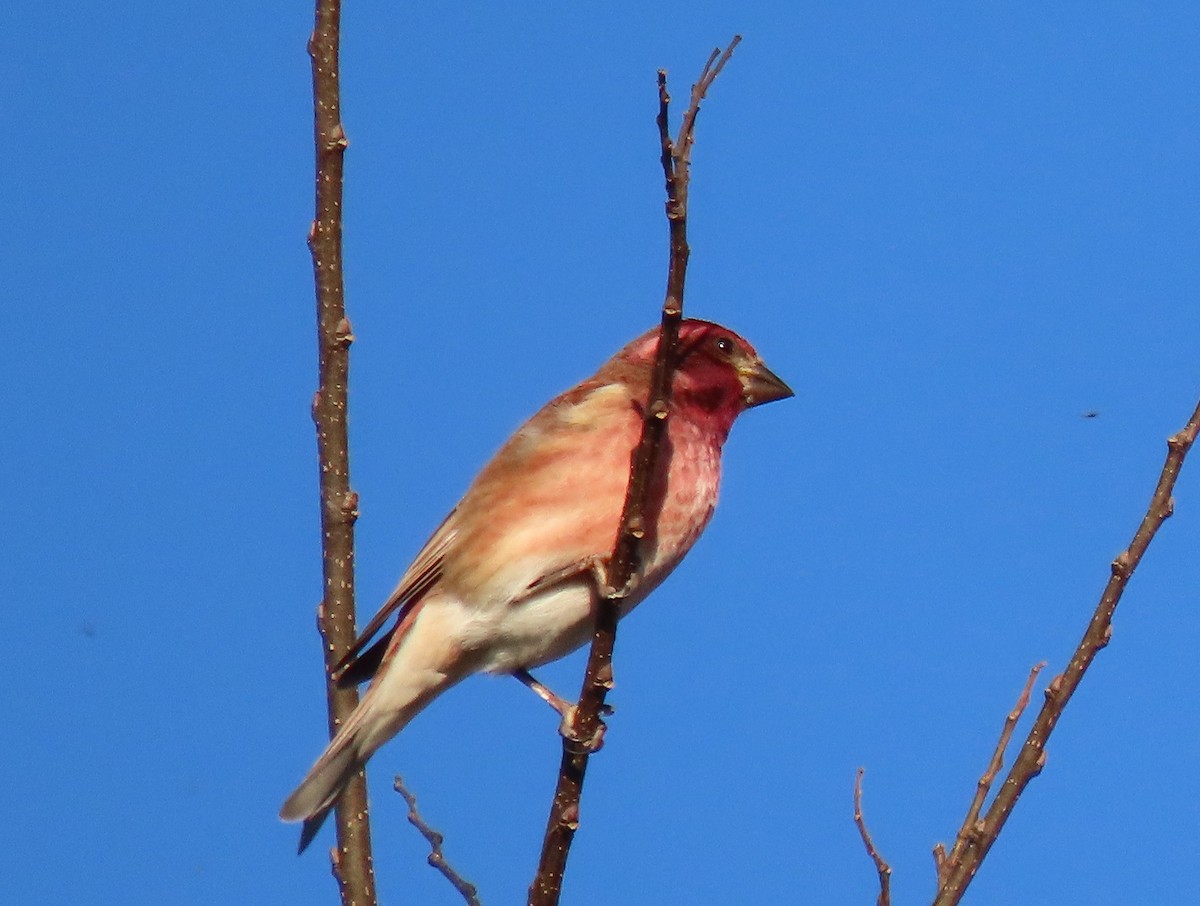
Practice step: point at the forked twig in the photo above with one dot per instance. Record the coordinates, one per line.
(960, 870)
(584, 733)
(436, 857)
(970, 823)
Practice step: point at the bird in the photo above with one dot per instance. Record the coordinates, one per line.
(510, 580)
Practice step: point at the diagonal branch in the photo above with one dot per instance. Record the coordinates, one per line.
(959, 872)
(585, 730)
(339, 504)
(436, 857)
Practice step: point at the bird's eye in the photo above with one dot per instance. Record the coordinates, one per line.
(724, 345)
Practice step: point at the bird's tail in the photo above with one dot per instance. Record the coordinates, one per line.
(414, 672)
(312, 800)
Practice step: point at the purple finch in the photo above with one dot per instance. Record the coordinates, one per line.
(510, 579)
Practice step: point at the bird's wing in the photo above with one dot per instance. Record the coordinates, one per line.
(356, 665)
(523, 525)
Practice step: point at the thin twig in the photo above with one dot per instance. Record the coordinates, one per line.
(436, 857)
(881, 866)
(1032, 757)
(586, 729)
(352, 865)
(984, 785)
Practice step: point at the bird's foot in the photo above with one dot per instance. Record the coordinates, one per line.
(576, 743)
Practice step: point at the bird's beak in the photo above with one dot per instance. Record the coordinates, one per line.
(761, 385)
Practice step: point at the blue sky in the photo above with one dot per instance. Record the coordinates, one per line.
(953, 230)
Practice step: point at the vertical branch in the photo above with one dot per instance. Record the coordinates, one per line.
(969, 852)
(585, 731)
(339, 505)
(881, 866)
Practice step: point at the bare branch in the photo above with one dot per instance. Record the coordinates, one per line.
(436, 857)
(969, 826)
(585, 731)
(881, 866)
(957, 873)
(351, 860)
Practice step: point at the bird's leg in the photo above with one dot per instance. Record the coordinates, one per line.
(557, 702)
(546, 694)
(594, 568)
(565, 709)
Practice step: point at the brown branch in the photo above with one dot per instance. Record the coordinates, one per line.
(881, 866)
(983, 786)
(339, 504)
(436, 857)
(1032, 756)
(585, 730)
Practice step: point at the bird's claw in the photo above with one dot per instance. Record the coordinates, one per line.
(575, 743)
